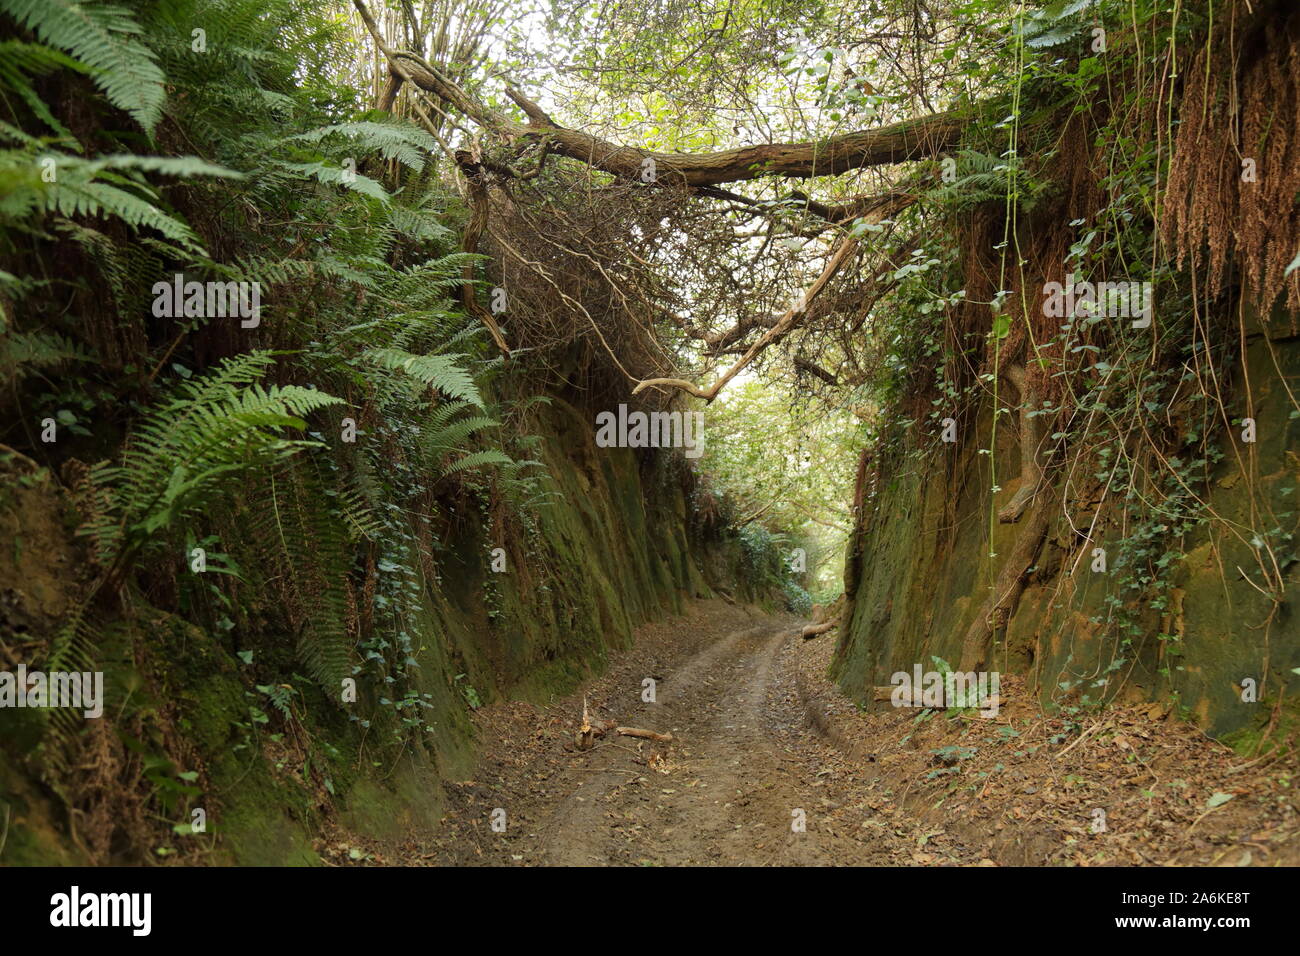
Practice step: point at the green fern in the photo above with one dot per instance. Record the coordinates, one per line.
(315, 553)
(477, 459)
(337, 176)
(72, 649)
(110, 186)
(23, 353)
(404, 143)
(329, 535)
(417, 225)
(441, 372)
(19, 62)
(185, 450)
(981, 178)
(100, 35)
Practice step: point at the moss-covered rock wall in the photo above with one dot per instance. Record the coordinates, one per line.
(927, 528)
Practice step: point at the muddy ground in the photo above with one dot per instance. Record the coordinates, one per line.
(770, 765)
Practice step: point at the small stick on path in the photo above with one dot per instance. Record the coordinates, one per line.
(644, 734)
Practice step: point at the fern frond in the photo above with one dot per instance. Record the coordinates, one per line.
(182, 452)
(184, 166)
(406, 144)
(436, 371)
(315, 553)
(453, 435)
(100, 35)
(72, 649)
(18, 62)
(416, 224)
(477, 459)
(337, 176)
(22, 352)
(101, 199)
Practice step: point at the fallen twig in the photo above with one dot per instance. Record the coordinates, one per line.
(644, 734)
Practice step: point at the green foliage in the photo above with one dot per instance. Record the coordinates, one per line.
(951, 757)
(26, 353)
(979, 178)
(766, 566)
(220, 437)
(101, 36)
(787, 463)
(797, 600)
(19, 63)
(316, 554)
(184, 451)
(439, 372)
(36, 180)
(393, 141)
(471, 695)
(1054, 24)
(126, 157)
(1058, 120)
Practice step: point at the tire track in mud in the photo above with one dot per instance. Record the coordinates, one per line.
(743, 758)
(725, 791)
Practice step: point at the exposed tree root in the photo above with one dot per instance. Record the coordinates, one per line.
(1031, 440)
(1007, 588)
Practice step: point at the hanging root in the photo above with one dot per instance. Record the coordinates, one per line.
(1031, 436)
(1007, 589)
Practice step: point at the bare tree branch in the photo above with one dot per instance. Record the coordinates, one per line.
(797, 313)
(906, 140)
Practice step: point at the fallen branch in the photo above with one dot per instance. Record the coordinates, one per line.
(644, 734)
(1085, 735)
(896, 143)
(874, 211)
(813, 630)
(815, 370)
(910, 139)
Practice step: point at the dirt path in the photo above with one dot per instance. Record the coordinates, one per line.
(746, 766)
(724, 792)
(728, 792)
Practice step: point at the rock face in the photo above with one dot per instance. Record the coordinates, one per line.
(1213, 636)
